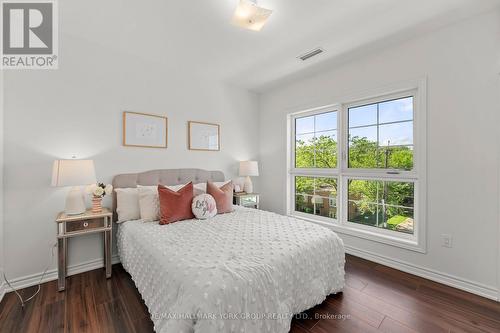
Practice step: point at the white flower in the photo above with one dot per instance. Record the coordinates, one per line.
(98, 191)
(108, 189)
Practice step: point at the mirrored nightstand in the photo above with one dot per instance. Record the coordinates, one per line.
(69, 226)
(250, 200)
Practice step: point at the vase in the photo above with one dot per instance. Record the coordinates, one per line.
(96, 205)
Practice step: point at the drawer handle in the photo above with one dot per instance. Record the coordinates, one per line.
(85, 224)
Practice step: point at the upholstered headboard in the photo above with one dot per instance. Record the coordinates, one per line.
(164, 177)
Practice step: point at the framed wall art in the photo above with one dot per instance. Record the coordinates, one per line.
(144, 130)
(203, 136)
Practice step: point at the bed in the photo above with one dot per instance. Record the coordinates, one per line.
(245, 271)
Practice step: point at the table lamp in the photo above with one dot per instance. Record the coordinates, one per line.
(75, 173)
(247, 169)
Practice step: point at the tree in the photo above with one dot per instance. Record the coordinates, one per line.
(317, 153)
(321, 152)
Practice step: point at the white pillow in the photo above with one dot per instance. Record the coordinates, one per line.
(204, 206)
(155, 187)
(127, 204)
(201, 188)
(149, 202)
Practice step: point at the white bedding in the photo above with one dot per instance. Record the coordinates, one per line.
(246, 271)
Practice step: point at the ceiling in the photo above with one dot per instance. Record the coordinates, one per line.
(198, 35)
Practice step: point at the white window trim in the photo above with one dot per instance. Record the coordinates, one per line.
(417, 241)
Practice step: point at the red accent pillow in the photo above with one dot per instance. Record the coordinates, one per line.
(175, 206)
(223, 196)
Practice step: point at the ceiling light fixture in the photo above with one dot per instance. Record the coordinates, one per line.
(250, 16)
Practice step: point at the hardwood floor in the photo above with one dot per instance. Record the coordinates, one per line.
(376, 299)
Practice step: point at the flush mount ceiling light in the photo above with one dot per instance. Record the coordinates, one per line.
(250, 16)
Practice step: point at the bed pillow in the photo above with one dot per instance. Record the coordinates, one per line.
(149, 204)
(223, 196)
(201, 188)
(127, 204)
(175, 205)
(204, 206)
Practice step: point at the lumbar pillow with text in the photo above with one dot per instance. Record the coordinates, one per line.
(204, 206)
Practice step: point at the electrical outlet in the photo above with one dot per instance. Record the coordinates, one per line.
(447, 240)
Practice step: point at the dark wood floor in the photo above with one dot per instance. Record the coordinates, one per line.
(376, 299)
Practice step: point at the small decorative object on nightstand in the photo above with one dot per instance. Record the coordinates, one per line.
(98, 191)
(246, 199)
(75, 225)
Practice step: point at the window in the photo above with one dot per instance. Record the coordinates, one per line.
(316, 196)
(316, 141)
(354, 166)
(381, 204)
(381, 135)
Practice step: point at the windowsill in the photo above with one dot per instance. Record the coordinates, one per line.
(401, 240)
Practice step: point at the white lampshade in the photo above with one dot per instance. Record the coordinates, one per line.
(249, 168)
(250, 16)
(73, 173)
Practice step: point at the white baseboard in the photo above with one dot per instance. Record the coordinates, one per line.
(34, 279)
(436, 276)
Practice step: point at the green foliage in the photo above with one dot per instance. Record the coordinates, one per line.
(400, 158)
(395, 220)
(304, 185)
(365, 154)
(365, 195)
(317, 153)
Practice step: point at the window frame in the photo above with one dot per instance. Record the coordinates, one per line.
(308, 113)
(415, 241)
(410, 174)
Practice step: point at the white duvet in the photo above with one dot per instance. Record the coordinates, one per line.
(246, 271)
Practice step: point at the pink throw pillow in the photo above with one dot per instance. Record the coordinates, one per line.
(223, 196)
(175, 206)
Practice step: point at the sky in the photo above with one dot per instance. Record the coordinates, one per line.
(363, 123)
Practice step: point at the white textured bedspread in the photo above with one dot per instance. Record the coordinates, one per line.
(246, 271)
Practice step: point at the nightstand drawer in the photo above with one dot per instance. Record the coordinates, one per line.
(249, 200)
(75, 226)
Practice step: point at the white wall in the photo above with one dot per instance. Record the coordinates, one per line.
(1, 188)
(461, 64)
(77, 110)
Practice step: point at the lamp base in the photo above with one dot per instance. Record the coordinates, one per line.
(75, 202)
(248, 186)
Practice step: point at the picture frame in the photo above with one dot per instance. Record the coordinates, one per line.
(203, 136)
(144, 130)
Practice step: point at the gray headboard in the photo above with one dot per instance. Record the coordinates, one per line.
(164, 177)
